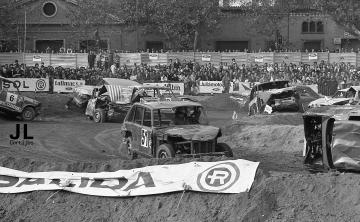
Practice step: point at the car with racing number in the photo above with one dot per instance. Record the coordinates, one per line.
(16, 105)
(165, 129)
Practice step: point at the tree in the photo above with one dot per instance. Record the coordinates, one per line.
(345, 12)
(9, 25)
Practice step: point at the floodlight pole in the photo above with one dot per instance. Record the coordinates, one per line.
(24, 39)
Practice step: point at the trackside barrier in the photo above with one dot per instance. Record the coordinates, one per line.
(74, 60)
(71, 60)
(27, 85)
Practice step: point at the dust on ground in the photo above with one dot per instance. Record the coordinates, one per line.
(283, 189)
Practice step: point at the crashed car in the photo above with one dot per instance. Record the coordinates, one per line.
(332, 138)
(341, 97)
(82, 94)
(278, 96)
(16, 105)
(167, 129)
(112, 102)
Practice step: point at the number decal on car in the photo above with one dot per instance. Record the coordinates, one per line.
(11, 98)
(145, 138)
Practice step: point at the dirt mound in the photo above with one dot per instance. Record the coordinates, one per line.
(273, 197)
(222, 102)
(268, 138)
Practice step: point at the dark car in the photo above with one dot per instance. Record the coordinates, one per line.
(332, 137)
(16, 105)
(112, 102)
(279, 96)
(169, 128)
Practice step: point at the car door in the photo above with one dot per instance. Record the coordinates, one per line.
(10, 101)
(136, 127)
(146, 133)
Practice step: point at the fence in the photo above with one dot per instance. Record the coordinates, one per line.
(65, 60)
(241, 58)
(216, 58)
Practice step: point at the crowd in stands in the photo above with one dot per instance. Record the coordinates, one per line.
(339, 74)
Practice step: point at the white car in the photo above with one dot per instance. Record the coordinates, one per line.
(341, 97)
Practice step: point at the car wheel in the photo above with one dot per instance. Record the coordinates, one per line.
(165, 151)
(99, 116)
(28, 114)
(223, 147)
(126, 149)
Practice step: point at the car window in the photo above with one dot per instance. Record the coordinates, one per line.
(139, 113)
(147, 118)
(130, 117)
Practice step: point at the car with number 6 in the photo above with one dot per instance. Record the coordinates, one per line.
(16, 105)
(165, 129)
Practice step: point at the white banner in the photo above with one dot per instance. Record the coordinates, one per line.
(211, 87)
(67, 86)
(176, 87)
(27, 84)
(232, 176)
(259, 59)
(313, 56)
(154, 56)
(36, 58)
(206, 58)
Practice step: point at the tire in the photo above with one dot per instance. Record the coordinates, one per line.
(126, 149)
(99, 116)
(28, 114)
(223, 147)
(165, 151)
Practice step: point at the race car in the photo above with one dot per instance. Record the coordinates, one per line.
(332, 138)
(279, 96)
(341, 97)
(16, 105)
(165, 129)
(82, 94)
(111, 102)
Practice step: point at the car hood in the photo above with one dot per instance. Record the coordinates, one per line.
(326, 101)
(192, 132)
(265, 95)
(31, 101)
(336, 112)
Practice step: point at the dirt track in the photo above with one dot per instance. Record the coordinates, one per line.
(283, 189)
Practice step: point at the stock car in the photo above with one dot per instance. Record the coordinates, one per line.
(111, 102)
(341, 97)
(279, 96)
(165, 129)
(16, 105)
(332, 138)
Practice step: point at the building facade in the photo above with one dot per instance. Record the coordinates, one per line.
(48, 28)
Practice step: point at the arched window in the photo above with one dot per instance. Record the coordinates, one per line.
(312, 26)
(319, 27)
(305, 27)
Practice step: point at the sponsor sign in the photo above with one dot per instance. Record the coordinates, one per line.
(313, 56)
(67, 86)
(211, 87)
(154, 56)
(232, 176)
(36, 58)
(206, 58)
(176, 87)
(27, 84)
(259, 59)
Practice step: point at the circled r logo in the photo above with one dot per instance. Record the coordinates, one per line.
(40, 84)
(219, 177)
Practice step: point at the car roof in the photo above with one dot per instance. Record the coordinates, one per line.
(167, 104)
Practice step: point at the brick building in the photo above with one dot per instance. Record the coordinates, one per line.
(48, 28)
